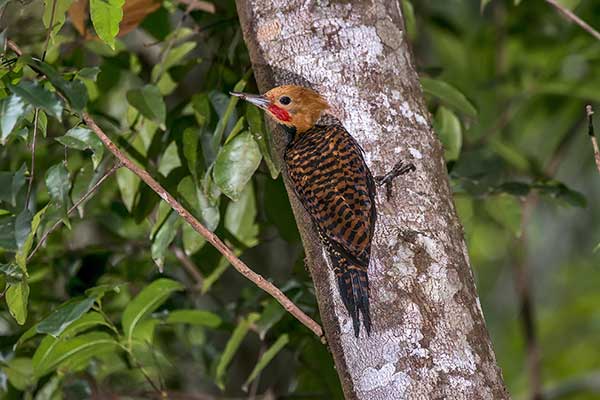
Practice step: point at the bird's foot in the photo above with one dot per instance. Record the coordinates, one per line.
(386, 180)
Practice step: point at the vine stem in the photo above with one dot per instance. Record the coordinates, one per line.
(213, 239)
(574, 18)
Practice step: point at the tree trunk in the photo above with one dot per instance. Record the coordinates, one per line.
(429, 339)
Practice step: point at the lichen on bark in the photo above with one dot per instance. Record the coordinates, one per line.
(429, 338)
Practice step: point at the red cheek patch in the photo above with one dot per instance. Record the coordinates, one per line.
(280, 113)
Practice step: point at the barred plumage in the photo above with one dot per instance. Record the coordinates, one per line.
(334, 184)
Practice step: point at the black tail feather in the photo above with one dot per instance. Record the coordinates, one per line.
(353, 284)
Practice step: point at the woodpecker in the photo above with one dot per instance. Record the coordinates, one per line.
(334, 184)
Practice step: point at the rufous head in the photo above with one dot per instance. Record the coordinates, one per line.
(294, 106)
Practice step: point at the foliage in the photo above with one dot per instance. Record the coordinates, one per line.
(105, 304)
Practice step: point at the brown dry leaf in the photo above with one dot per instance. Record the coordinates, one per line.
(134, 12)
(78, 13)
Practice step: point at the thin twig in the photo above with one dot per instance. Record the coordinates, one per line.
(74, 207)
(590, 113)
(32, 169)
(188, 265)
(50, 27)
(213, 239)
(37, 110)
(574, 18)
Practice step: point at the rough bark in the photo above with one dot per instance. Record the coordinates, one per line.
(429, 339)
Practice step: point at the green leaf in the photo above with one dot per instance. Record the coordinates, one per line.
(240, 218)
(106, 16)
(38, 96)
(59, 7)
(7, 233)
(163, 238)
(42, 123)
(448, 94)
(17, 297)
(169, 160)
(235, 165)
(173, 57)
(271, 314)
(506, 210)
(129, 184)
(58, 183)
(18, 182)
(266, 358)
(22, 227)
(201, 206)
(408, 11)
(149, 102)
(12, 109)
(237, 128)
(201, 106)
(98, 292)
(448, 127)
(228, 112)
(21, 256)
(54, 352)
(51, 390)
(232, 346)
(90, 73)
(148, 300)
(194, 317)
(12, 272)
(82, 138)
(75, 91)
(514, 188)
(190, 150)
(85, 322)
(257, 128)
(561, 192)
(192, 240)
(65, 315)
(20, 373)
(144, 332)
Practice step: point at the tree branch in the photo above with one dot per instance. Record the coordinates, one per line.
(574, 18)
(213, 239)
(589, 112)
(429, 338)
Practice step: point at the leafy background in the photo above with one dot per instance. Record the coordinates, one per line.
(125, 300)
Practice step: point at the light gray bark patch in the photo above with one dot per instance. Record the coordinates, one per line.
(429, 339)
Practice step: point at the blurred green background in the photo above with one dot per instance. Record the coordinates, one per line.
(506, 84)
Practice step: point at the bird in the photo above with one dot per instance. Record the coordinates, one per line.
(330, 177)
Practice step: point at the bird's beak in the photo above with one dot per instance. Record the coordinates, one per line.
(257, 100)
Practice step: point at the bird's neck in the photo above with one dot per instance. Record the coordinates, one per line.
(291, 132)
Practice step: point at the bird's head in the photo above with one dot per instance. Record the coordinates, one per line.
(293, 106)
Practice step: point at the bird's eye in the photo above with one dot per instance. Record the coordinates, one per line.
(285, 100)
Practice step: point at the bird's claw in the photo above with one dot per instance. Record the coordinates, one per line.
(386, 180)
